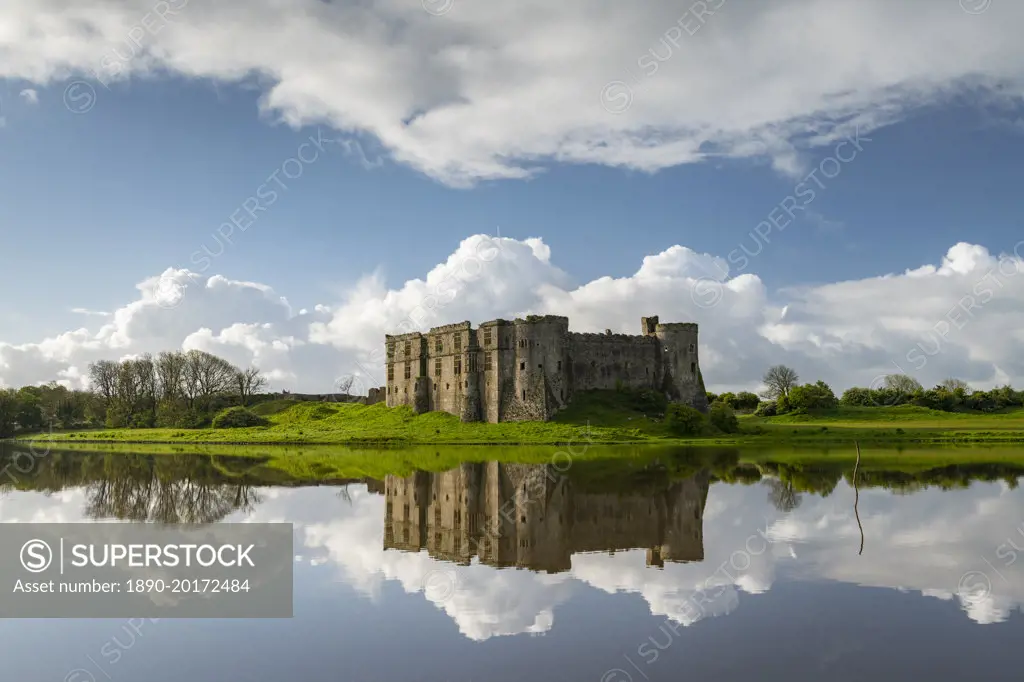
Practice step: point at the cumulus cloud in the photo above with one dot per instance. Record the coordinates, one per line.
(29, 95)
(492, 90)
(931, 321)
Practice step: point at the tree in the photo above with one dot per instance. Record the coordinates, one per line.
(723, 418)
(249, 382)
(9, 405)
(103, 377)
(902, 384)
(782, 495)
(683, 420)
(205, 376)
(170, 373)
(816, 396)
(745, 400)
(954, 385)
(779, 380)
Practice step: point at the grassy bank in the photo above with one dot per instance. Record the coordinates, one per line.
(813, 470)
(600, 418)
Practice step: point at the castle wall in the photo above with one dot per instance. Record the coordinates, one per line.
(406, 371)
(603, 361)
(448, 363)
(529, 369)
(538, 386)
(681, 379)
(496, 340)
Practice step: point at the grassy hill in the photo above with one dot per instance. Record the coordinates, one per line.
(600, 416)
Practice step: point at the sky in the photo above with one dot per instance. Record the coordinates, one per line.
(828, 184)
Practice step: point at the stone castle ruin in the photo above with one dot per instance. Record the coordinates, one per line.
(529, 369)
(530, 516)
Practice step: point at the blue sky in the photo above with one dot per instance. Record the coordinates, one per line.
(140, 182)
(93, 203)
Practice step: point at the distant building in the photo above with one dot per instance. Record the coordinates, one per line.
(527, 370)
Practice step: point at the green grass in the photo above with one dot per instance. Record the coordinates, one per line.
(606, 417)
(599, 466)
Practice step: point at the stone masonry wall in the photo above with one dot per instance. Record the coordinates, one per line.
(602, 361)
(529, 369)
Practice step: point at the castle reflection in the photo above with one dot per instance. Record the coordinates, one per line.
(532, 516)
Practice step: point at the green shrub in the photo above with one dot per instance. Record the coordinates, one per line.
(683, 420)
(238, 418)
(812, 397)
(858, 397)
(723, 418)
(745, 400)
(766, 409)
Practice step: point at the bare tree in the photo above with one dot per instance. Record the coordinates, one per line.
(103, 375)
(205, 376)
(249, 382)
(170, 370)
(953, 385)
(779, 381)
(782, 495)
(902, 383)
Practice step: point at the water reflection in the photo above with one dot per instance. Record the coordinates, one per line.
(500, 548)
(537, 518)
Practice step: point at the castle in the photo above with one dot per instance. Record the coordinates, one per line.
(528, 369)
(531, 516)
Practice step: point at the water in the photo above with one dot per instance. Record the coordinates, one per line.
(604, 571)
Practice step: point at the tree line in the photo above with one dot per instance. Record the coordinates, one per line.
(784, 393)
(177, 389)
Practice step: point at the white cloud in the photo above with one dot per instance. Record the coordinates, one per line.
(29, 95)
(493, 90)
(931, 321)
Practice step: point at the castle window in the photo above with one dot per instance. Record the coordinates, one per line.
(473, 363)
(408, 348)
(524, 395)
(488, 361)
(458, 342)
(437, 367)
(458, 365)
(540, 366)
(467, 383)
(561, 395)
(391, 350)
(693, 368)
(391, 371)
(487, 336)
(693, 347)
(522, 365)
(408, 370)
(559, 365)
(439, 346)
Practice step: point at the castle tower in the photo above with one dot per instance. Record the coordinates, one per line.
(680, 368)
(407, 371)
(541, 364)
